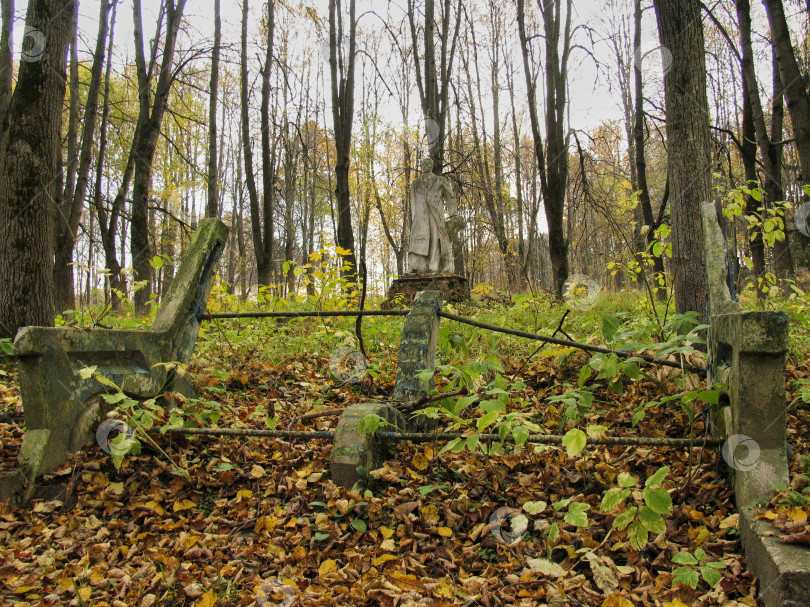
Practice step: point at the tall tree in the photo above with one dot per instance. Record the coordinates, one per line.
(108, 219)
(6, 70)
(552, 155)
(795, 90)
(212, 207)
(342, 64)
(688, 144)
(261, 212)
(150, 118)
(435, 97)
(69, 210)
(30, 169)
(639, 148)
(769, 145)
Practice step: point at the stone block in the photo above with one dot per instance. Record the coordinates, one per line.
(353, 449)
(403, 290)
(783, 569)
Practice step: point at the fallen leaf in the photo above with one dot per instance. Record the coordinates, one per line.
(327, 567)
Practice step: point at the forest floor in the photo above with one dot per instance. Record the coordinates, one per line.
(258, 522)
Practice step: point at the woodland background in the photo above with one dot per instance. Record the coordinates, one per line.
(302, 126)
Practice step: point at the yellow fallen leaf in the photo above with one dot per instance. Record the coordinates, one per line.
(209, 599)
(767, 515)
(797, 514)
(383, 559)
(444, 590)
(244, 379)
(257, 471)
(385, 531)
(181, 505)
(676, 603)
(419, 462)
(243, 494)
(701, 534)
(431, 514)
(445, 532)
(155, 506)
(188, 542)
(616, 600)
(24, 589)
(85, 592)
(327, 567)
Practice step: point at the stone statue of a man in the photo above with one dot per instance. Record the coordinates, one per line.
(430, 249)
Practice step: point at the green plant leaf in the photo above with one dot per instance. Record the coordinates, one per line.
(576, 514)
(684, 558)
(638, 536)
(711, 575)
(657, 478)
(685, 575)
(652, 521)
(613, 498)
(626, 480)
(625, 518)
(574, 441)
(359, 525)
(487, 420)
(658, 500)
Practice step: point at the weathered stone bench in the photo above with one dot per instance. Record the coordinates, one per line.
(61, 407)
(747, 356)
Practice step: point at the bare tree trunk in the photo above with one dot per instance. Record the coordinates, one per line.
(150, 118)
(553, 161)
(108, 224)
(268, 158)
(798, 100)
(342, 70)
(6, 71)
(640, 160)
(29, 172)
(770, 153)
(78, 169)
(212, 208)
(688, 138)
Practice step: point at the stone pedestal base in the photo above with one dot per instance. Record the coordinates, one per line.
(403, 290)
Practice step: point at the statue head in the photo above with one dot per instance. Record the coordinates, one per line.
(427, 165)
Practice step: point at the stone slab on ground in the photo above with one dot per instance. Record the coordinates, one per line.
(353, 449)
(783, 569)
(403, 290)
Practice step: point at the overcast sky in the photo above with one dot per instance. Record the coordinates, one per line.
(591, 100)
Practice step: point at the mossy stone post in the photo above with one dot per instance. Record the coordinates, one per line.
(417, 348)
(747, 355)
(61, 407)
(417, 353)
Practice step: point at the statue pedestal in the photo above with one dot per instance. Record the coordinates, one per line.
(403, 290)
